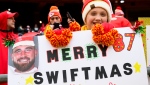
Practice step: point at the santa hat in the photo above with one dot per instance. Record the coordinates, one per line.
(118, 11)
(26, 39)
(89, 4)
(54, 11)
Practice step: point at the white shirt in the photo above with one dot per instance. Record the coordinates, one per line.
(31, 71)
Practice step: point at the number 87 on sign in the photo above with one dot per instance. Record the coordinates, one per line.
(119, 44)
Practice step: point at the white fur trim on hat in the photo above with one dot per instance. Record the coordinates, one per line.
(119, 11)
(101, 4)
(110, 7)
(54, 10)
(31, 43)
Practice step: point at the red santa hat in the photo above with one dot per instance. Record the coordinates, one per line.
(118, 11)
(54, 11)
(26, 39)
(87, 6)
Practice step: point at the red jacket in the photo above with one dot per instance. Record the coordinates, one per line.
(3, 49)
(120, 22)
(42, 28)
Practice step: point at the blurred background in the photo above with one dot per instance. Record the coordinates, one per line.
(35, 12)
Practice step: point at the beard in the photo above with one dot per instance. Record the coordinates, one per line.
(23, 67)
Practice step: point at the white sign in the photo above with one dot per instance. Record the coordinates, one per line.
(148, 46)
(83, 62)
(148, 43)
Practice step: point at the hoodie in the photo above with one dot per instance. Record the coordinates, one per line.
(120, 21)
(3, 33)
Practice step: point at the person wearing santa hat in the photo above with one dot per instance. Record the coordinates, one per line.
(24, 54)
(119, 20)
(42, 28)
(118, 11)
(96, 11)
(96, 15)
(7, 25)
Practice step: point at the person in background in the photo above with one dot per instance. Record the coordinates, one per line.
(36, 28)
(119, 20)
(20, 30)
(119, 12)
(55, 33)
(28, 29)
(55, 19)
(54, 16)
(42, 28)
(7, 25)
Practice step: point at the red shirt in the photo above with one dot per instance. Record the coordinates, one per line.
(3, 49)
(120, 22)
